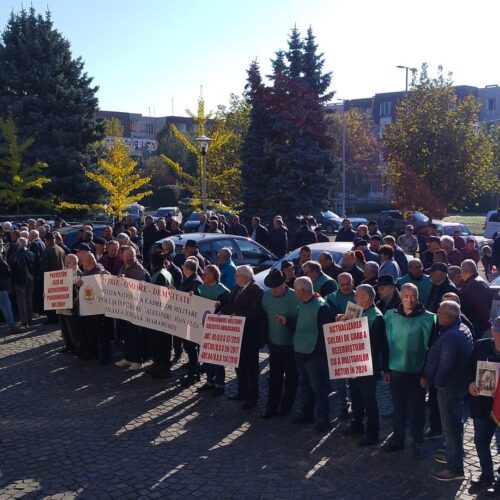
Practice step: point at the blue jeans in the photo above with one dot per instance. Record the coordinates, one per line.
(215, 374)
(450, 401)
(6, 308)
(313, 388)
(484, 429)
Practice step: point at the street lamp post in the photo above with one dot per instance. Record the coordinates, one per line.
(407, 68)
(203, 141)
(343, 159)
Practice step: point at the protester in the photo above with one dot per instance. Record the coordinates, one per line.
(388, 266)
(52, 259)
(481, 406)
(5, 291)
(328, 265)
(455, 276)
(258, 232)
(278, 239)
(475, 298)
(349, 266)
(236, 228)
(303, 236)
(288, 270)
(310, 355)
(370, 273)
(408, 241)
(441, 284)
(246, 300)
(418, 278)
(399, 255)
(304, 256)
(445, 369)
(388, 294)
(227, 268)
(409, 329)
(322, 283)
(453, 255)
(280, 306)
(320, 235)
(470, 251)
(346, 232)
(363, 389)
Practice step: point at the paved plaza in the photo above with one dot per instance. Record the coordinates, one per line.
(72, 429)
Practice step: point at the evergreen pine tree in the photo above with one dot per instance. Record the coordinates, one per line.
(50, 99)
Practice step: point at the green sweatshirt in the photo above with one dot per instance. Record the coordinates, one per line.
(287, 306)
(306, 330)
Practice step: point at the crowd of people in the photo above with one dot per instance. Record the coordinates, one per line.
(428, 316)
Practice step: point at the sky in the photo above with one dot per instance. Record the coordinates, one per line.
(154, 56)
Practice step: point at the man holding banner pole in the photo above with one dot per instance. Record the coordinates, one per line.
(310, 354)
(364, 389)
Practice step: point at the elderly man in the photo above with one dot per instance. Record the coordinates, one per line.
(258, 232)
(475, 298)
(433, 244)
(52, 260)
(363, 389)
(349, 266)
(37, 246)
(346, 232)
(328, 265)
(399, 255)
(362, 244)
(191, 250)
(236, 228)
(111, 260)
(303, 235)
(22, 263)
(441, 284)
(388, 294)
(470, 251)
(280, 305)
(288, 270)
(132, 335)
(408, 241)
(485, 427)
(310, 355)
(445, 368)
(370, 273)
(5, 290)
(418, 278)
(95, 337)
(191, 284)
(454, 256)
(246, 300)
(278, 239)
(408, 329)
(227, 267)
(388, 264)
(322, 283)
(321, 237)
(375, 242)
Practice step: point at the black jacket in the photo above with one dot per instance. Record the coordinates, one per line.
(191, 284)
(4, 275)
(437, 292)
(278, 241)
(248, 304)
(261, 235)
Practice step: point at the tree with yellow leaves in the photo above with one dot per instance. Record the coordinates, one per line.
(118, 177)
(223, 159)
(17, 179)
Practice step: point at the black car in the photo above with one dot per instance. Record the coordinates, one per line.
(245, 250)
(70, 234)
(416, 219)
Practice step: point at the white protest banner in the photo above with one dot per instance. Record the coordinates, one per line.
(222, 340)
(58, 290)
(156, 307)
(91, 296)
(353, 311)
(348, 348)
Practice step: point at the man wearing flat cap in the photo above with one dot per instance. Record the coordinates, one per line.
(388, 294)
(190, 250)
(280, 305)
(288, 269)
(433, 244)
(441, 284)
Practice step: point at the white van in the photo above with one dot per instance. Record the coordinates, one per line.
(492, 223)
(173, 211)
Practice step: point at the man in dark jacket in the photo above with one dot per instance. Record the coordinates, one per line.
(322, 283)
(320, 235)
(329, 266)
(236, 228)
(278, 239)
(399, 255)
(445, 369)
(349, 266)
(149, 233)
(441, 284)
(388, 293)
(475, 298)
(303, 235)
(258, 232)
(480, 411)
(363, 389)
(246, 300)
(52, 260)
(5, 290)
(346, 232)
(191, 283)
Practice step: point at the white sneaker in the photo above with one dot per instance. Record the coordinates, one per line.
(135, 366)
(123, 362)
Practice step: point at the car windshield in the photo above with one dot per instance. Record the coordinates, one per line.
(450, 230)
(195, 216)
(161, 212)
(419, 216)
(329, 214)
(495, 282)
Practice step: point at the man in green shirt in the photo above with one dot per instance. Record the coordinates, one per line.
(280, 305)
(322, 283)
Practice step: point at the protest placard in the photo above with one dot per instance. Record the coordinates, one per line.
(353, 311)
(487, 377)
(348, 348)
(221, 343)
(156, 307)
(58, 290)
(91, 296)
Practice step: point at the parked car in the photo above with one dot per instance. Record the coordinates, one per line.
(495, 295)
(416, 219)
(245, 250)
(492, 223)
(330, 221)
(173, 211)
(449, 228)
(192, 223)
(335, 249)
(137, 212)
(71, 233)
